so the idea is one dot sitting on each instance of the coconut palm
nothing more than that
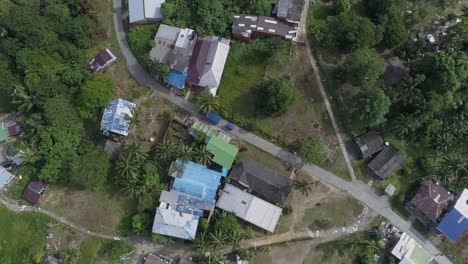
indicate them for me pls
(234, 239)
(185, 153)
(166, 151)
(29, 152)
(23, 97)
(203, 156)
(135, 151)
(207, 102)
(202, 244)
(217, 239)
(302, 186)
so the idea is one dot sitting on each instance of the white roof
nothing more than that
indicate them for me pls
(5, 177)
(462, 203)
(250, 208)
(214, 67)
(404, 245)
(142, 9)
(169, 222)
(410, 252)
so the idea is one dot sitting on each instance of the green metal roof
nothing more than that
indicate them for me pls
(207, 129)
(224, 153)
(3, 134)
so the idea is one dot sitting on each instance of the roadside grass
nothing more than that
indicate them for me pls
(331, 212)
(99, 211)
(456, 252)
(94, 250)
(22, 236)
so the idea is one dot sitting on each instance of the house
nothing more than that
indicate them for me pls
(431, 201)
(249, 208)
(5, 177)
(408, 251)
(261, 181)
(207, 65)
(185, 203)
(386, 162)
(35, 191)
(196, 180)
(102, 60)
(144, 11)
(395, 72)
(224, 153)
(289, 10)
(116, 117)
(245, 27)
(153, 259)
(9, 126)
(169, 222)
(456, 221)
(174, 46)
(369, 144)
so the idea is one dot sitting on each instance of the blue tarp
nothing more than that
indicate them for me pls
(177, 79)
(215, 118)
(453, 225)
(198, 181)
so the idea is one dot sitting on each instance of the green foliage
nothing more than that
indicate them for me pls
(166, 151)
(212, 18)
(394, 32)
(89, 168)
(311, 151)
(303, 186)
(157, 69)
(376, 8)
(5, 6)
(363, 67)
(287, 210)
(160, 239)
(227, 225)
(370, 110)
(203, 223)
(275, 96)
(94, 95)
(141, 223)
(342, 6)
(243, 253)
(140, 39)
(207, 102)
(113, 250)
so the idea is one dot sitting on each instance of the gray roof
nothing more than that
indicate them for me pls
(262, 181)
(369, 143)
(144, 9)
(289, 10)
(248, 207)
(174, 46)
(386, 162)
(249, 25)
(185, 203)
(209, 59)
(169, 222)
(116, 117)
(5, 177)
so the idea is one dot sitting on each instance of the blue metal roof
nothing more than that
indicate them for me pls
(453, 225)
(198, 181)
(213, 117)
(177, 79)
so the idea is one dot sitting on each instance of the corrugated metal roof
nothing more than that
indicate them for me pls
(169, 222)
(153, 8)
(5, 177)
(453, 225)
(224, 153)
(3, 133)
(116, 117)
(250, 208)
(208, 130)
(177, 78)
(143, 9)
(199, 181)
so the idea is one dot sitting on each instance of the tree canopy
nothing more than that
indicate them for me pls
(311, 151)
(94, 95)
(363, 67)
(275, 96)
(370, 110)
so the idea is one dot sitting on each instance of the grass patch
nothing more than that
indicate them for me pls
(265, 158)
(95, 249)
(22, 236)
(331, 212)
(420, 227)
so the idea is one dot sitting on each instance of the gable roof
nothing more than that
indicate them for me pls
(35, 191)
(115, 117)
(173, 46)
(289, 10)
(250, 208)
(251, 25)
(207, 65)
(262, 181)
(102, 59)
(185, 203)
(224, 153)
(197, 180)
(5, 177)
(369, 143)
(144, 9)
(432, 200)
(386, 162)
(169, 222)
(456, 221)
(208, 130)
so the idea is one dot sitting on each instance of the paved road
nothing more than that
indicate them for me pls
(356, 189)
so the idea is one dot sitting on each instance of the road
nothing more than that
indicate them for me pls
(356, 189)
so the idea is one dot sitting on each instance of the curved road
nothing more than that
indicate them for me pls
(356, 189)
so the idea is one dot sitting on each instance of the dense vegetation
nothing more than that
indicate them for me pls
(428, 109)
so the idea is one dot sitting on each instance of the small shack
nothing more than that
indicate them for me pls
(386, 162)
(116, 117)
(35, 191)
(102, 60)
(369, 144)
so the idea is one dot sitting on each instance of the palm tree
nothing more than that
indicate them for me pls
(127, 168)
(302, 186)
(166, 151)
(202, 244)
(203, 156)
(235, 238)
(29, 152)
(23, 97)
(217, 239)
(186, 153)
(207, 102)
(135, 151)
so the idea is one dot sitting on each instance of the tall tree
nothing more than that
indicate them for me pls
(363, 67)
(203, 156)
(207, 102)
(370, 110)
(166, 151)
(275, 96)
(94, 95)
